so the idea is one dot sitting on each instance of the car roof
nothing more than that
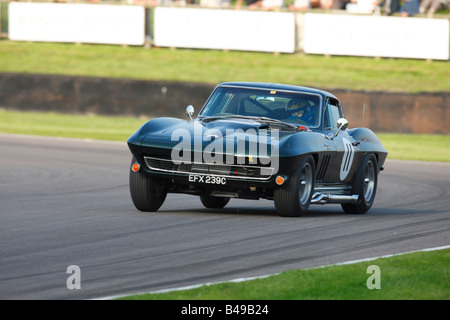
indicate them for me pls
(276, 86)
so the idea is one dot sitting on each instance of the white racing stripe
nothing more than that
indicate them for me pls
(347, 159)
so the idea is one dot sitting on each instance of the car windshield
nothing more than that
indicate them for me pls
(299, 108)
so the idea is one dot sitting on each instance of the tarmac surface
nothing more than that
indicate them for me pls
(66, 202)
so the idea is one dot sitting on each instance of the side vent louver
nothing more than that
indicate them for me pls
(323, 167)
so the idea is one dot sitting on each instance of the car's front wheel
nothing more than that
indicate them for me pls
(294, 198)
(365, 185)
(146, 193)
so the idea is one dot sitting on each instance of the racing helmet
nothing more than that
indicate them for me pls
(299, 109)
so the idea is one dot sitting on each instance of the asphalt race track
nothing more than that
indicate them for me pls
(66, 202)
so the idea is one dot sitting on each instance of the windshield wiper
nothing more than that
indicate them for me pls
(264, 119)
(224, 117)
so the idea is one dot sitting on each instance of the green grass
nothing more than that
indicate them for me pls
(421, 147)
(414, 276)
(69, 126)
(212, 66)
(399, 146)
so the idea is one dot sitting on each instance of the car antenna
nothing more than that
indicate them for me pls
(364, 112)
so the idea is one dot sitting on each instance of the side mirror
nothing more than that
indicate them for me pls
(190, 111)
(342, 125)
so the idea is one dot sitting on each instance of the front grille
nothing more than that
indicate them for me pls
(230, 171)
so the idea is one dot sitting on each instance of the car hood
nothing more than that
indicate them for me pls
(221, 133)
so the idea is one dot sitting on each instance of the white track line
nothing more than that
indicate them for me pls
(266, 276)
(51, 138)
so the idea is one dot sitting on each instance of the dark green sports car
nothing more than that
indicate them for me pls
(250, 140)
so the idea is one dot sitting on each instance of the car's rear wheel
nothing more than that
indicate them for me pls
(293, 199)
(214, 202)
(365, 185)
(146, 193)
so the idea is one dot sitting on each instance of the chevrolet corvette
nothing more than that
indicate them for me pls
(285, 143)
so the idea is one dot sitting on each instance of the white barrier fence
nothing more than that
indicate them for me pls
(84, 23)
(286, 32)
(377, 36)
(224, 29)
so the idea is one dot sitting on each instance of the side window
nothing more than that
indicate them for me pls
(332, 114)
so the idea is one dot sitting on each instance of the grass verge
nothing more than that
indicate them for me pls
(420, 147)
(69, 126)
(399, 146)
(414, 276)
(214, 66)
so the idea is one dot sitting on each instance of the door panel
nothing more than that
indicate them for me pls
(345, 158)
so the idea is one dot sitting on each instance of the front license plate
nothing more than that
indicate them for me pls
(200, 178)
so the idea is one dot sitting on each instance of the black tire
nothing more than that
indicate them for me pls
(365, 185)
(294, 198)
(214, 202)
(146, 194)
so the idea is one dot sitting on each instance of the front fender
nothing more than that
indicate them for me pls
(152, 126)
(369, 143)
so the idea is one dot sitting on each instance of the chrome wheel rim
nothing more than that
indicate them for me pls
(369, 181)
(305, 184)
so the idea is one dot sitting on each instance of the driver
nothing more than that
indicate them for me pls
(300, 109)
